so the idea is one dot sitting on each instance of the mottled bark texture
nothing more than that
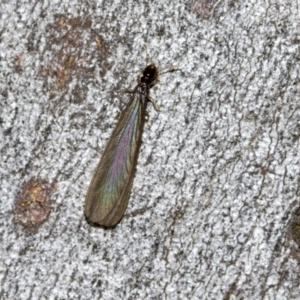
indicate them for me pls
(214, 207)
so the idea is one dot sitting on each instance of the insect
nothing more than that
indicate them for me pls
(109, 190)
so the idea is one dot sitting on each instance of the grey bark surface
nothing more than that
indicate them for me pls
(215, 198)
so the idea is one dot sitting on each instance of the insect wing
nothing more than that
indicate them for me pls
(109, 190)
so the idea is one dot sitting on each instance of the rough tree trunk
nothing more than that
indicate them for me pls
(214, 207)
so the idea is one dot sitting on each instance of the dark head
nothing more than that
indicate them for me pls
(150, 75)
